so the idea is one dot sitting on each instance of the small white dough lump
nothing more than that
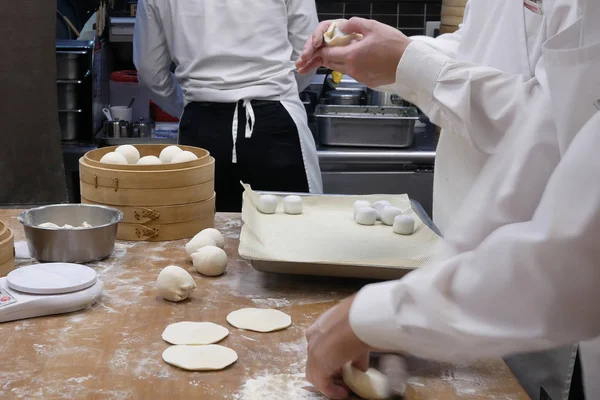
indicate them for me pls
(210, 261)
(167, 154)
(131, 153)
(388, 214)
(214, 235)
(183, 156)
(114, 158)
(370, 385)
(366, 216)
(48, 225)
(267, 204)
(149, 160)
(358, 204)
(174, 283)
(404, 225)
(292, 205)
(379, 206)
(198, 242)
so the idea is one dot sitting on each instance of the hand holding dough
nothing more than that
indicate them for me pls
(194, 333)
(370, 385)
(259, 319)
(174, 283)
(335, 37)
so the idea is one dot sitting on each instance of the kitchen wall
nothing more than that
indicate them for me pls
(408, 16)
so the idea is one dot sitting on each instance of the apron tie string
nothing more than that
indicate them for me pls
(249, 129)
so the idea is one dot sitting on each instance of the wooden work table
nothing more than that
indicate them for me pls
(113, 349)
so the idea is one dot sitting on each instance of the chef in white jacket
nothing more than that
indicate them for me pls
(235, 76)
(521, 266)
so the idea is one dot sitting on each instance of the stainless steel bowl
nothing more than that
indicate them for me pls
(71, 245)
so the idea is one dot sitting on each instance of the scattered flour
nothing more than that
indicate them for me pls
(271, 303)
(278, 387)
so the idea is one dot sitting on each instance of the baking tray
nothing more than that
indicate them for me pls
(366, 126)
(332, 269)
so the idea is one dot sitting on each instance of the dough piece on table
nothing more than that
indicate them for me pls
(358, 204)
(194, 333)
(114, 158)
(167, 154)
(259, 319)
(149, 160)
(210, 260)
(379, 206)
(184, 156)
(366, 216)
(198, 242)
(175, 283)
(267, 204)
(214, 235)
(48, 225)
(388, 214)
(211, 357)
(404, 225)
(335, 37)
(292, 205)
(131, 153)
(370, 385)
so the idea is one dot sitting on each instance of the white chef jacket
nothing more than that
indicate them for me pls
(476, 106)
(226, 51)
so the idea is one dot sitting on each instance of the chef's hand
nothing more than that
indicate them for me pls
(372, 60)
(331, 344)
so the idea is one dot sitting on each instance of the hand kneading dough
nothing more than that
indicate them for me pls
(335, 37)
(211, 357)
(404, 225)
(370, 385)
(184, 156)
(114, 158)
(267, 204)
(388, 214)
(167, 154)
(174, 283)
(194, 333)
(366, 216)
(210, 261)
(149, 160)
(131, 153)
(259, 319)
(198, 242)
(358, 204)
(292, 205)
(214, 235)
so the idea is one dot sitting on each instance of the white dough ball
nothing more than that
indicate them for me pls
(114, 158)
(366, 216)
(167, 154)
(404, 225)
(358, 204)
(184, 156)
(198, 242)
(210, 261)
(267, 204)
(370, 385)
(388, 214)
(175, 283)
(214, 235)
(292, 205)
(379, 206)
(149, 160)
(131, 153)
(48, 225)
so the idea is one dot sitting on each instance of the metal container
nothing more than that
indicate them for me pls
(384, 99)
(117, 129)
(71, 245)
(69, 121)
(143, 128)
(71, 64)
(366, 126)
(345, 97)
(68, 94)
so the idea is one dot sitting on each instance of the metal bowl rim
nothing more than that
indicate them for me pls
(117, 212)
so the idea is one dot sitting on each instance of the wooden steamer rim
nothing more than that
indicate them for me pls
(4, 232)
(6, 267)
(162, 232)
(7, 249)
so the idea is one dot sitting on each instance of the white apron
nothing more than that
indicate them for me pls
(573, 67)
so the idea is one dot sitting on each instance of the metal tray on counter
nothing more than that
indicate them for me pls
(366, 126)
(165, 133)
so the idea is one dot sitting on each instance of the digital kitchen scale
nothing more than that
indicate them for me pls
(47, 289)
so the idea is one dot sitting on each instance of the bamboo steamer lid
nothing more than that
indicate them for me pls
(154, 232)
(452, 15)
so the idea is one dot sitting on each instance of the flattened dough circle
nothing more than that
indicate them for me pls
(200, 358)
(259, 319)
(187, 332)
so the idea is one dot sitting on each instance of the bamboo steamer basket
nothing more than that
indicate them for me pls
(7, 250)
(452, 15)
(159, 202)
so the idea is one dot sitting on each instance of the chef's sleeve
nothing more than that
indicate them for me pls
(302, 21)
(528, 286)
(153, 61)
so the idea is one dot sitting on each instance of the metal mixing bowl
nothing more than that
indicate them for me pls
(71, 245)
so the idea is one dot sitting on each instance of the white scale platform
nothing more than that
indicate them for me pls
(47, 289)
